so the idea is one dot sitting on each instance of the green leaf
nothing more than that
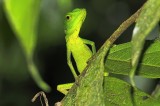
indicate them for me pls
(119, 60)
(147, 20)
(23, 17)
(88, 88)
(117, 93)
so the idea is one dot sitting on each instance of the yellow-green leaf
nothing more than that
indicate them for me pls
(147, 20)
(23, 18)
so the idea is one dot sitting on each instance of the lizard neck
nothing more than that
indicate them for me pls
(74, 35)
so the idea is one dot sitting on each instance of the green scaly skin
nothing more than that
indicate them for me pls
(76, 45)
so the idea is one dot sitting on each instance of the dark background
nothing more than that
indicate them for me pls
(16, 85)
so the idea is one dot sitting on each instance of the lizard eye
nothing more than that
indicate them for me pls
(68, 17)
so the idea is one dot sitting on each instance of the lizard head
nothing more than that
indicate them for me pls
(74, 20)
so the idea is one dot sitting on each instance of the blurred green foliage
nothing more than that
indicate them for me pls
(16, 86)
(23, 20)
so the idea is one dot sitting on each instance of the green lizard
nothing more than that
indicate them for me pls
(75, 45)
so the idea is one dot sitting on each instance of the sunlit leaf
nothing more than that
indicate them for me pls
(149, 17)
(119, 60)
(88, 88)
(23, 17)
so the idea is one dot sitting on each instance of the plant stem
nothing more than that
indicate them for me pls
(119, 31)
(36, 76)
